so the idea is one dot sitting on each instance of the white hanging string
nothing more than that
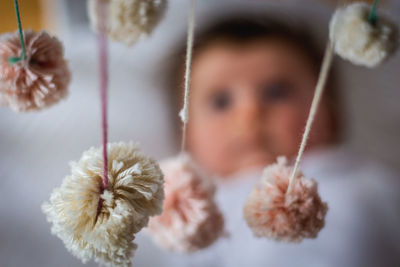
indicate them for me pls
(184, 113)
(323, 76)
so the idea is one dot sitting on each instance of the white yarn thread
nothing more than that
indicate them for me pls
(323, 76)
(184, 113)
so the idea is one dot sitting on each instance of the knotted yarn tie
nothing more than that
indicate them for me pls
(373, 15)
(13, 60)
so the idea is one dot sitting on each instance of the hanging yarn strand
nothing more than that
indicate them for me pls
(184, 113)
(103, 92)
(323, 76)
(373, 16)
(21, 35)
(103, 58)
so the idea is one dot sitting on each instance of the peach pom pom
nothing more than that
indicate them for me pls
(272, 213)
(191, 219)
(105, 232)
(128, 20)
(37, 82)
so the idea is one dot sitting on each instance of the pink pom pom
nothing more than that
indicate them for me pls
(37, 82)
(190, 219)
(272, 213)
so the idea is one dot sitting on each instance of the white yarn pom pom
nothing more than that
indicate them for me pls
(358, 40)
(272, 213)
(128, 20)
(191, 219)
(135, 192)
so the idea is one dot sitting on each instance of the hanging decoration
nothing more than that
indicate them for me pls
(129, 20)
(33, 72)
(361, 36)
(100, 223)
(191, 219)
(109, 195)
(292, 209)
(273, 213)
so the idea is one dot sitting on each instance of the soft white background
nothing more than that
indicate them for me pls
(35, 148)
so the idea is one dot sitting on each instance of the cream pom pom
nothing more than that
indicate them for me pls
(271, 213)
(191, 219)
(135, 192)
(37, 82)
(128, 20)
(360, 41)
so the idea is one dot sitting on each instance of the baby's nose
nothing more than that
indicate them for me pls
(250, 112)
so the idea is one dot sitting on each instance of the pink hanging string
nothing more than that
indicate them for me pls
(103, 63)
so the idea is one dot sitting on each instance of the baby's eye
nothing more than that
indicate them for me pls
(221, 101)
(276, 91)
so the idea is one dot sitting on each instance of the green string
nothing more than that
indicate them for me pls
(13, 60)
(373, 16)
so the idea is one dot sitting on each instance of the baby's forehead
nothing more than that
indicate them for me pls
(272, 48)
(259, 57)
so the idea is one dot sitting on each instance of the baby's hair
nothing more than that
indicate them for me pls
(244, 29)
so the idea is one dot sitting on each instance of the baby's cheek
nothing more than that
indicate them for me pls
(285, 127)
(322, 129)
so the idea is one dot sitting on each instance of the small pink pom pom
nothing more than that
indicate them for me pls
(190, 219)
(37, 82)
(272, 213)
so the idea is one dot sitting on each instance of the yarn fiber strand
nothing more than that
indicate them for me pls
(323, 76)
(184, 113)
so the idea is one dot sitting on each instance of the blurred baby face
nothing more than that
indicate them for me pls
(249, 105)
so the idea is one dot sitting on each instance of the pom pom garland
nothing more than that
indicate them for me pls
(272, 212)
(360, 37)
(105, 232)
(38, 81)
(128, 20)
(191, 219)
(285, 205)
